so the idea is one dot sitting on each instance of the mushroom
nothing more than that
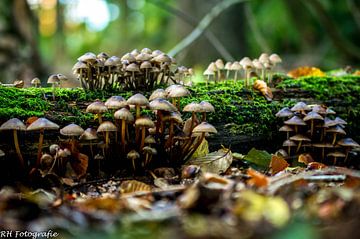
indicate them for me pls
(284, 113)
(206, 107)
(158, 94)
(236, 67)
(149, 152)
(115, 102)
(161, 106)
(286, 129)
(89, 135)
(174, 118)
(133, 155)
(312, 116)
(42, 124)
(15, 124)
(149, 140)
(247, 66)
(296, 121)
(97, 108)
(192, 107)
(107, 127)
(143, 123)
(138, 100)
(274, 60)
(72, 131)
(208, 73)
(228, 69)
(336, 155)
(126, 117)
(79, 69)
(335, 130)
(54, 81)
(146, 65)
(133, 67)
(220, 66)
(203, 129)
(289, 143)
(300, 107)
(175, 93)
(348, 143)
(36, 82)
(323, 146)
(300, 138)
(264, 59)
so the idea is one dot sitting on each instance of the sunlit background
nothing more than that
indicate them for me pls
(321, 33)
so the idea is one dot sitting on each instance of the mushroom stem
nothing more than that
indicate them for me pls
(171, 133)
(289, 150)
(203, 119)
(72, 143)
(133, 163)
(91, 150)
(178, 103)
(99, 118)
(41, 139)
(173, 101)
(123, 134)
(334, 139)
(142, 137)
(53, 91)
(296, 129)
(299, 146)
(287, 135)
(312, 128)
(192, 121)
(192, 150)
(17, 148)
(137, 107)
(107, 139)
(235, 76)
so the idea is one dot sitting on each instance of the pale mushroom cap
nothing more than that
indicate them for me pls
(138, 99)
(144, 122)
(53, 79)
(206, 107)
(145, 65)
(299, 137)
(42, 123)
(247, 64)
(312, 116)
(13, 124)
(179, 91)
(212, 67)
(257, 64)
(329, 122)
(72, 130)
(124, 114)
(87, 57)
(228, 65)
(319, 109)
(300, 106)
(176, 117)
(336, 154)
(158, 94)
(133, 155)
(115, 102)
(162, 58)
(275, 58)
(96, 107)
(162, 104)
(244, 59)
(35, 81)
(146, 50)
(192, 107)
(156, 53)
(128, 57)
(62, 77)
(236, 66)
(288, 143)
(143, 57)
(284, 112)
(336, 129)
(102, 56)
(264, 58)
(286, 128)
(89, 134)
(149, 150)
(208, 72)
(149, 140)
(295, 120)
(348, 142)
(106, 126)
(112, 61)
(219, 64)
(132, 67)
(79, 65)
(339, 120)
(135, 52)
(204, 127)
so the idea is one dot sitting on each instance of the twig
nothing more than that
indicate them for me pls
(204, 23)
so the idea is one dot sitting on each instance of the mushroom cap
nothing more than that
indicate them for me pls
(204, 127)
(192, 107)
(145, 65)
(102, 56)
(106, 126)
(2, 153)
(42, 123)
(284, 113)
(53, 79)
(124, 114)
(149, 150)
(112, 61)
(162, 58)
(228, 65)
(212, 67)
(35, 81)
(336, 129)
(247, 63)
(79, 65)
(339, 120)
(133, 67)
(244, 59)
(144, 122)
(128, 57)
(289, 143)
(264, 58)
(286, 128)
(156, 53)
(208, 72)
(89, 134)
(96, 107)
(62, 77)
(178, 91)
(146, 50)
(143, 57)
(219, 64)
(138, 99)
(295, 120)
(299, 137)
(206, 106)
(275, 58)
(319, 109)
(235, 66)
(162, 104)
(323, 145)
(135, 52)
(88, 57)
(13, 124)
(115, 102)
(72, 130)
(133, 155)
(336, 154)
(149, 140)
(348, 142)
(257, 64)
(174, 116)
(329, 122)
(158, 94)
(300, 106)
(330, 111)
(312, 116)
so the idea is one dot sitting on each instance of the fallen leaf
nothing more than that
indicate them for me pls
(305, 71)
(316, 165)
(130, 186)
(305, 159)
(278, 164)
(257, 179)
(80, 164)
(259, 157)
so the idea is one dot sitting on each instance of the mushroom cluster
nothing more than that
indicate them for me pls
(144, 137)
(315, 129)
(263, 66)
(137, 70)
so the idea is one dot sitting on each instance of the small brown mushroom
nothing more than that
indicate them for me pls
(72, 131)
(107, 127)
(97, 108)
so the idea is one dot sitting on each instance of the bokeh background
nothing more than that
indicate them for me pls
(40, 37)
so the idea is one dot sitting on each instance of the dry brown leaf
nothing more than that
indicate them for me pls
(305, 71)
(80, 164)
(257, 179)
(277, 164)
(30, 120)
(305, 159)
(316, 165)
(130, 186)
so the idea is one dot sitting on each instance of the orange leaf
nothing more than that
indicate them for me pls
(278, 164)
(305, 159)
(80, 164)
(257, 179)
(305, 71)
(316, 165)
(30, 120)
